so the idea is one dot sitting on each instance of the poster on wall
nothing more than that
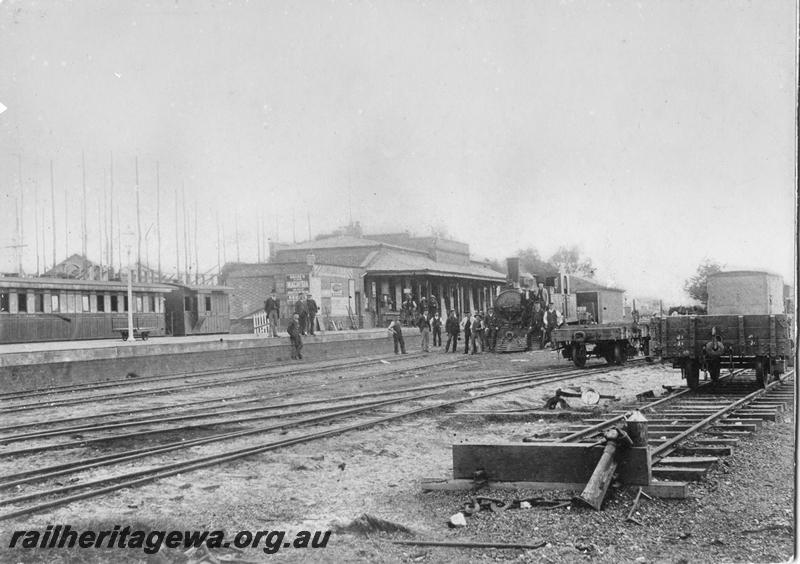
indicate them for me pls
(296, 284)
(337, 289)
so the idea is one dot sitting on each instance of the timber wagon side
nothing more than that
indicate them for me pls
(614, 342)
(710, 342)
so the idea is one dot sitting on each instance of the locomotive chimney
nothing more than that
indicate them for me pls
(512, 264)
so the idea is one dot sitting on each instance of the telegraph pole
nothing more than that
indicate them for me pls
(53, 209)
(158, 218)
(84, 217)
(138, 228)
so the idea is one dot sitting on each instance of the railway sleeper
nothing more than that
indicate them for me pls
(679, 473)
(689, 460)
(718, 451)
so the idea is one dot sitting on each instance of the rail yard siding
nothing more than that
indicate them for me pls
(40, 369)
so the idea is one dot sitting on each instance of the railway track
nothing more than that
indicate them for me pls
(343, 416)
(219, 383)
(688, 432)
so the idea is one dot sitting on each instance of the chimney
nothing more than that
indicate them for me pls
(512, 264)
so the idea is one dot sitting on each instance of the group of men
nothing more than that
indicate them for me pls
(303, 320)
(479, 331)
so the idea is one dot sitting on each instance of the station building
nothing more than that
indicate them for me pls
(361, 282)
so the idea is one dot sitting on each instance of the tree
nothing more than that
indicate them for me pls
(697, 285)
(571, 262)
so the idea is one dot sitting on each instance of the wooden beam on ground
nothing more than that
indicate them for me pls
(667, 490)
(679, 473)
(708, 450)
(471, 485)
(689, 460)
(546, 462)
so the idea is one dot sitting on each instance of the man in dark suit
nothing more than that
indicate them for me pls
(302, 312)
(535, 328)
(273, 308)
(294, 337)
(312, 308)
(452, 329)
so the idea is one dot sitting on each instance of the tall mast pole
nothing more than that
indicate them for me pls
(138, 227)
(236, 226)
(177, 240)
(111, 214)
(36, 221)
(196, 248)
(53, 209)
(219, 249)
(158, 217)
(258, 236)
(21, 241)
(185, 233)
(84, 217)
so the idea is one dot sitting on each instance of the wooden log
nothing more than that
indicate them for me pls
(689, 460)
(595, 490)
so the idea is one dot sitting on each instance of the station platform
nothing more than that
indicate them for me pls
(28, 366)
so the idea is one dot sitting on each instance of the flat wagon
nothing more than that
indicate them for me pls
(614, 342)
(710, 342)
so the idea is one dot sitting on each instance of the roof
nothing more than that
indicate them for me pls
(50, 283)
(583, 285)
(743, 273)
(332, 242)
(390, 261)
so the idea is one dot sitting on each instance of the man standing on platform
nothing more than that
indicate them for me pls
(466, 328)
(551, 321)
(395, 328)
(452, 329)
(542, 296)
(312, 308)
(302, 312)
(492, 326)
(273, 308)
(436, 329)
(424, 324)
(535, 328)
(294, 337)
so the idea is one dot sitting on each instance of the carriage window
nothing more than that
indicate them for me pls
(101, 302)
(114, 303)
(152, 301)
(22, 303)
(138, 303)
(208, 303)
(54, 303)
(84, 303)
(187, 303)
(125, 303)
(38, 303)
(4, 302)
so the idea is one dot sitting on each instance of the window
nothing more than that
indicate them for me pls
(138, 303)
(152, 301)
(22, 302)
(114, 303)
(101, 303)
(4, 302)
(54, 303)
(38, 302)
(187, 303)
(208, 303)
(84, 302)
(125, 303)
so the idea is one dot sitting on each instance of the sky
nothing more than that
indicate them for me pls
(653, 135)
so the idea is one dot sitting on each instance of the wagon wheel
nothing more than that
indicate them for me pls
(579, 355)
(618, 353)
(762, 368)
(691, 371)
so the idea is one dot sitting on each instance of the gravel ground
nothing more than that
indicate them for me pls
(742, 512)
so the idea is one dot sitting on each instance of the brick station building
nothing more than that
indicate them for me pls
(362, 281)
